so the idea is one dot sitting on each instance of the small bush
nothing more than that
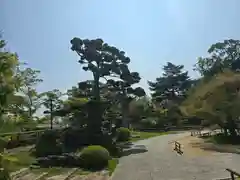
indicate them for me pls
(64, 160)
(123, 134)
(47, 144)
(74, 138)
(112, 164)
(149, 122)
(94, 157)
(4, 175)
(109, 142)
(13, 141)
(3, 142)
(222, 139)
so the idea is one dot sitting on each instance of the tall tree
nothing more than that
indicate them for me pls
(8, 81)
(30, 79)
(104, 61)
(8, 84)
(222, 55)
(124, 93)
(52, 102)
(217, 101)
(85, 89)
(172, 86)
(140, 108)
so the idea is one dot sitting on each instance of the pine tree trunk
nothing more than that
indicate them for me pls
(95, 114)
(96, 89)
(125, 106)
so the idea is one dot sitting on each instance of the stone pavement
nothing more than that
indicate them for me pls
(162, 163)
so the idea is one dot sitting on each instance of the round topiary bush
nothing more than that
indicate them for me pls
(94, 157)
(123, 134)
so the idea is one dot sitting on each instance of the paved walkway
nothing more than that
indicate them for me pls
(162, 163)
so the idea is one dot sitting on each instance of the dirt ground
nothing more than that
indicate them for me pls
(194, 146)
(191, 146)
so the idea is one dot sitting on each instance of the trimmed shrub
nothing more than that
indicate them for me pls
(64, 160)
(123, 134)
(112, 164)
(108, 141)
(94, 157)
(3, 142)
(13, 141)
(74, 138)
(222, 139)
(47, 144)
(4, 174)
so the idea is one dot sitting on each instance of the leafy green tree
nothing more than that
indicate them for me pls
(172, 86)
(85, 89)
(171, 89)
(8, 84)
(74, 107)
(216, 101)
(139, 108)
(222, 55)
(52, 102)
(8, 81)
(106, 62)
(101, 59)
(124, 93)
(29, 79)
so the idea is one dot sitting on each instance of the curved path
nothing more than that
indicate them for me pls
(162, 163)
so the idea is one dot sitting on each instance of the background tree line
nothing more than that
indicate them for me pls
(112, 97)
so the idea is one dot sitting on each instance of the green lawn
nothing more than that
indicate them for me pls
(145, 135)
(21, 159)
(112, 164)
(222, 139)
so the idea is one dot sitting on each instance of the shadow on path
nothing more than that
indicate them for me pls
(130, 148)
(156, 160)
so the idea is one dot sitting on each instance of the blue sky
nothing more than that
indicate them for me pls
(151, 32)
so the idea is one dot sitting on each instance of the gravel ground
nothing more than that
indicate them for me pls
(162, 163)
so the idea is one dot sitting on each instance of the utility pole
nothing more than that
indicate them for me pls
(50, 112)
(51, 115)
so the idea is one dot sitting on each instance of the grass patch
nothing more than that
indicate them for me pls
(112, 164)
(222, 139)
(136, 136)
(23, 160)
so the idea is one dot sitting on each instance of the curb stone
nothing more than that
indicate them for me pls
(70, 174)
(19, 173)
(41, 176)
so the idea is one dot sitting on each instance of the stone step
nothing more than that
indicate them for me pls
(41, 176)
(28, 176)
(79, 177)
(20, 173)
(103, 175)
(72, 174)
(94, 176)
(66, 176)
